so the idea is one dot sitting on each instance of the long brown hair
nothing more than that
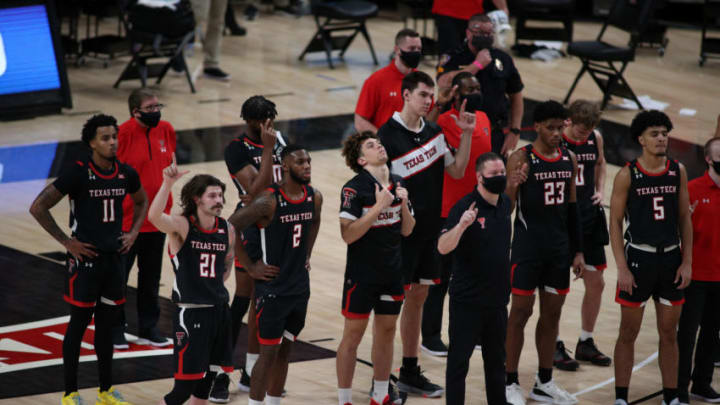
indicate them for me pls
(196, 187)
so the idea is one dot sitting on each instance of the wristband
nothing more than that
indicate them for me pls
(515, 131)
(478, 64)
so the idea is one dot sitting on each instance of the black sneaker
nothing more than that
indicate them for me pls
(251, 12)
(219, 392)
(244, 383)
(587, 351)
(562, 360)
(683, 397)
(705, 393)
(153, 338)
(216, 74)
(414, 382)
(393, 396)
(119, 341)
(434, 347)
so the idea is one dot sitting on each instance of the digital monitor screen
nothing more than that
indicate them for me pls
(27, 55)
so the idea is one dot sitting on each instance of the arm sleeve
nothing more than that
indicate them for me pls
(351, 204)
(236, 157)
(133, 180)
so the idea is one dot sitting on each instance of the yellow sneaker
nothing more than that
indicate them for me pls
(110, 397)
(72, 398)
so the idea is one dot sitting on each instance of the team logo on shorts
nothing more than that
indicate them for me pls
(179, 336)
(348, 195)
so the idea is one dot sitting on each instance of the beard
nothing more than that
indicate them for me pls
(297, 179)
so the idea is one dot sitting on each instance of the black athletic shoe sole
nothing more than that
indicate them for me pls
(402, 387)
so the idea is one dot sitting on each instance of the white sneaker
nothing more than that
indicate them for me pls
(514, 394)
(620, 402)
(673, 402)
(551, 393)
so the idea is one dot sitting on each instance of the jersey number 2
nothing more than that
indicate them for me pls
(108, 210)
(658, 209)
(297, 234)
(207, 265)
(554, 193)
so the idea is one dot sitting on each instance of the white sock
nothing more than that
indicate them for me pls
(380, 390)
(254, 402)
(270, 400)
(585, 335)
(344, 396)
(250, 359)
(558, 339)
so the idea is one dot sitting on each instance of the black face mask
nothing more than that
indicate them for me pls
(480, 42)
(150, 119)
(716, 166)
(411, 59)
(474, 102)
(495, 184)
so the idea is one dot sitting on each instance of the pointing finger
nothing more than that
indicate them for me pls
(174, 160)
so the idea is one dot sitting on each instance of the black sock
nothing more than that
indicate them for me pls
(544, 374)
(238, 309)
(511, 378)
(409, 363)
(669, 394)
(105, 318)
(621, 393)
(79, 320)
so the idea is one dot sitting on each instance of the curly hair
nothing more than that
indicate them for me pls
(585, 113)
(196, 187)
(647, 119)
(258, 108)
(548, 110)
(351, 149)
(96, 121)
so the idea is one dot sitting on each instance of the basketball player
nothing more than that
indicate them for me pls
(547, 239)
(418, 153)
(374, 216)
(581, 138)
(287, 219)
(253, 160)
(200, 244)
(651, 193)
(95, 285)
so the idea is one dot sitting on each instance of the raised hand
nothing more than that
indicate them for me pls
(383, 197)
(483, 57)
(268, 135)
(401, 193)
(519, 175)
(171, 174)
(468, 217)
(465, 120)
(446, 95)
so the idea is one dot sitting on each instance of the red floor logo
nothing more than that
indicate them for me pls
(39, 344)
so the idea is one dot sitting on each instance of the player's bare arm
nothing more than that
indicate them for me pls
(444, 96)
(362, 124)
(175, 226)
(353, 229)
(40, 210)
(408, 219)
(315, 226)
(684, 272)
(600, 171)
(449, 240)
(254, 181)
(140, 207)
(260, 212)
(466, 122)
(517, 169)
(230, 256)
(578, 263)
(618, 204)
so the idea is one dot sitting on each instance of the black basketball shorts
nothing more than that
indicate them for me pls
(551, 274)
(654, 275)
(100, 279)
(594, 253)
(280, 317)
(420, 260)
(360, 297)
(203, 341)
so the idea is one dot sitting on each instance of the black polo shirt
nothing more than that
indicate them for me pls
(498, 79)
(481, 261)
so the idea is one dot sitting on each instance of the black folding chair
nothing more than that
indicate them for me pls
(336, 16)
(561, 11)
(601, 59)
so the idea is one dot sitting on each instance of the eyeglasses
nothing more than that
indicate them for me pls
(477, 30)
(152, 108)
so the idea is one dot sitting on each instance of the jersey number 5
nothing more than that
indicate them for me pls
(554, 193)
(297, 234)
(658, 209)
(207, 265)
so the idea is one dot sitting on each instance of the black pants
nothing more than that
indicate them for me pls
(497, 138)
(451, 33)
(435, 302)
(470, 324)
(148, 249)
(702, 300)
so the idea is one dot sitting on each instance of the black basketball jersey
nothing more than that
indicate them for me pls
(586, 154)
(96, 197)
(243, 151)
(284, 243)
(377, 253)
(652, 205)
(199, 265)
(541, 221)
